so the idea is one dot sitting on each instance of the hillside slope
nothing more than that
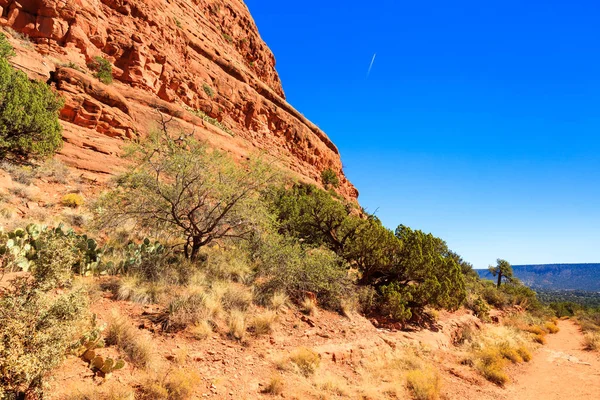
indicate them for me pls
(175, 56)
(556, 276)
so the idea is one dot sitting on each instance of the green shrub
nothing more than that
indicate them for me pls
(72, 200)
(55, 260)
(103, 70)
(286, 266)
(6, 50)
(29, 123)
(36, 331)
(329, 177)
(409, 269)
(480, 308)
(208, 90)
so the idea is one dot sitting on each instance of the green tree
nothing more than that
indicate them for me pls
(409, 269)
(28, 112)
(313, 215)
(329, 177)
(180, 188)
(425, 273)
(503, 270)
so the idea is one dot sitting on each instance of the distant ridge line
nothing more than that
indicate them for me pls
(563, 276)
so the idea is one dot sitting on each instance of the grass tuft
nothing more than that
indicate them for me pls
(524, 353)
(306, 360)
(262, 324)
(128, 339)
(539, 338)
(237, 324)
(591, 341)
(308, 306)
(201, 330)
(275, 386)
(424, 384)
(491, 365)
(72, 200)
(551, 327)
(278, 301)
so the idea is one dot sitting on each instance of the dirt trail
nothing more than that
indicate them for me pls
(559, 370)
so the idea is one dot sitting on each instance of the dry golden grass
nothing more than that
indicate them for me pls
(137, 347)
(332, 384)
(424, 384)
(176, 385)
(275, 386)
(201, 330)
(181, 384)
(551, 327)
(510, 353)
(540, 338)
(278, 301)
(109, 391)
(491, 365)
(308, 306)
(237, 324)
(305, 360)
(591, 341)
(262, 324)
(524, 353)
(535, 329)
(193, 307)
(131, 288)
(233, 295)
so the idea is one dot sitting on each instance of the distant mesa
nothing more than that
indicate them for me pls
(556, 276)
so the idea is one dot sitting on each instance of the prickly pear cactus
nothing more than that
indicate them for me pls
(106, 367)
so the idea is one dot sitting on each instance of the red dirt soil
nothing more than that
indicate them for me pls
(559, 370)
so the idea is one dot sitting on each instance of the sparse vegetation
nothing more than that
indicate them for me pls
(237, 324)
(137, 348)
(591, 341)
(275, 386)
(330, 178)
(103, 70)
(72, 200)
(424, 384)
(213, 121)
(305, 360)
(192, 309)
(208, 90)
(262, 324)
(176, 385)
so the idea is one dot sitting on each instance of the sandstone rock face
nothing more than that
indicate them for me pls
(196, 60)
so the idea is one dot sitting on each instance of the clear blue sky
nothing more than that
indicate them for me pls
(479, 122)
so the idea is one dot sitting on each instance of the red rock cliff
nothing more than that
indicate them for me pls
(172, 55)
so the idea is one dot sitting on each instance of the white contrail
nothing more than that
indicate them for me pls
(371, 66)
